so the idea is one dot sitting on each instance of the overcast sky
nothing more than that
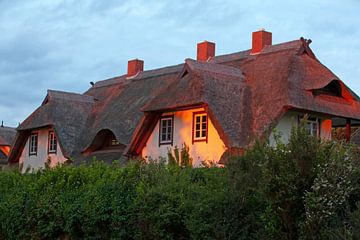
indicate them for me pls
(64, 45)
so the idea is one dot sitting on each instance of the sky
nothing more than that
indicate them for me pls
(66, 44)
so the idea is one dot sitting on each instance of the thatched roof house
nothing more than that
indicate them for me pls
(236, 98)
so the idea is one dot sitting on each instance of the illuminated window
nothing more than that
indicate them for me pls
(114, 142)
(52, 142)
(166, 130)
(33, 144)
(200, 127)
(111, 140)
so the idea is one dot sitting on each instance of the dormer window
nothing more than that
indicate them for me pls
(111, 141)
(332, 89)
(200, 127)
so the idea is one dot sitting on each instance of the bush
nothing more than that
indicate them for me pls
(301, 190)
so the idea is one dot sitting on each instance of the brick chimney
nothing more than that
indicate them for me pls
(135, 66)
(205, 50)
(260, 39)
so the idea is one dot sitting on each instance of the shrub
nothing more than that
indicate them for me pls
(301, 190)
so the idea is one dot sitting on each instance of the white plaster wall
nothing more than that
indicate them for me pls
(284, 126)
(199, 151)
(290, 119)
(35, 162)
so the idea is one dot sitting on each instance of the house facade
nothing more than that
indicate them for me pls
(215, 106)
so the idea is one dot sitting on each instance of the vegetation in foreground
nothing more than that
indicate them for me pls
(301, 190)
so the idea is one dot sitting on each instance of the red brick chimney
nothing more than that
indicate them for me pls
(205, 50)
(260, 39)
(135, 66)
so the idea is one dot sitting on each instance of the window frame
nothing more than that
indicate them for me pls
(201, 139)
(313, 120)
(171, 141)
(30, 143)
(50, 151)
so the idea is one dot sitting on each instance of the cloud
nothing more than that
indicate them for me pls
(65, 44)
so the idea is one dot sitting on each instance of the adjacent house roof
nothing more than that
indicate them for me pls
(7, 136)
(245, 95)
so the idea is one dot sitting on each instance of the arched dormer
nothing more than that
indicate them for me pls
(105, 139)
(336, 89)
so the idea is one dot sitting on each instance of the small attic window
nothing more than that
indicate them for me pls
(332, 89)
(104, 140)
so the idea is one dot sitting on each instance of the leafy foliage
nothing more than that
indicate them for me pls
(305, 189)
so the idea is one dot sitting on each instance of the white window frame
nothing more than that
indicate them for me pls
(33, 144)
(313, 126)
(52, 142)
(199, 128)
(167, 130)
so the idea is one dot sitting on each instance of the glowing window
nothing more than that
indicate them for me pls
(52, 142)
(33, 144)
(166, 130)
(200, 127)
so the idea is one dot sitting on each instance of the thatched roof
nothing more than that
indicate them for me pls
(7, 135)
(244, 94)
(66, 113)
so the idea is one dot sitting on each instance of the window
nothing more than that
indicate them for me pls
(166, 130)
(52, 142)
(200, 122)
(114, 142)
(33, 144)
(312, 126)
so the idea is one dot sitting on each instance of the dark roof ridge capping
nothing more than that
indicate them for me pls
(210, 67)
(68, 96)
(140, 76)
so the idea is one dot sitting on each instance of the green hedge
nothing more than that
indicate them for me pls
(301, 190)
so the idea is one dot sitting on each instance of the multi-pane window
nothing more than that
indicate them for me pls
(33, 144)
(52, 142)
(312, 126)
(166, 130)
(200, 127)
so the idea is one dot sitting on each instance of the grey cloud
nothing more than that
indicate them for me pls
(65, 44)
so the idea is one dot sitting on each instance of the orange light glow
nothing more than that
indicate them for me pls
(325, 130)
(5, 150)
(210, 151)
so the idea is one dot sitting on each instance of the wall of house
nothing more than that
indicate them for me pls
(290, 119)
(199, 151)
(35, 162)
